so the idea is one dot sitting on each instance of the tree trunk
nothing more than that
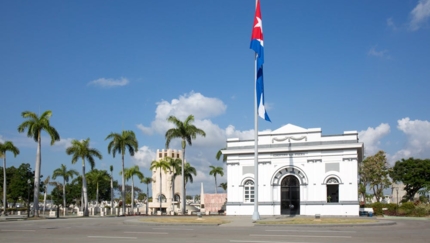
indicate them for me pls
(37, 176)
(44, 200)
(147, 198)
(84, 188)
(183, 178)
(132, 195)
(216, 191)
(4, 186)
(159, 196)
(64, 197)
(123, 185)
(111, 193)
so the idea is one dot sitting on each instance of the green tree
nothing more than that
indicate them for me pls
(216, 170)
(66, 175)
(162, 165)
(129, 173)
(82, 150)
(175, 168)
(186, 131)
(413, 173)
(120, 143)
(35, 125)
(219, 154)
(189, 171)
(18, 186)
(96, 177)
(147, 181)
(223, 186)
(375, 172)
(6, 147)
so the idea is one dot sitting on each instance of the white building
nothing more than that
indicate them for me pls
(164, 189)
(300, 172)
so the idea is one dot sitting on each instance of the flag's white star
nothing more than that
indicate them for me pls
(259, 24)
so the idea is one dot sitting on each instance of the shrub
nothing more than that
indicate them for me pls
(419, 212)
(377, 208)
(391, 209)
(407, 208)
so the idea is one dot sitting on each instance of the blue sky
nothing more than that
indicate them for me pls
(105, 66)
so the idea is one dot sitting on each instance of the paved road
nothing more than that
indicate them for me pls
(109, 230)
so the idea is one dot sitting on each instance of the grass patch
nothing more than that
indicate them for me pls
(314, 221)
(185, 220)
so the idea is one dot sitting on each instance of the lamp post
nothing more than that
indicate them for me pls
(28, 198)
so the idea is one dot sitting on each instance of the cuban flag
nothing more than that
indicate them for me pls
(257, 44)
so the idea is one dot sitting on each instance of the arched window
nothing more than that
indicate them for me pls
(332, 190)
(248, 188)
(162, 198)
(177, 198)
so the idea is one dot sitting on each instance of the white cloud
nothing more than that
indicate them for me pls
(144, 156)
(193, 103)
(418, 139)
(1, 139)
(419, 14)
(107, 83)
(381, 54)
(372, 136)
(390, 24)
(63, 143)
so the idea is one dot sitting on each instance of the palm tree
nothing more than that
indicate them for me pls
(97, 176)
(82, 150)
(35, 125)
(147, 181)
(130, 173)
(45, 192)
(216, 171)
(187, 132)
(175, 165)
(4, 147)
(120, 144)
(223, 186)
(164, 165)
(219, 154)
(189, 171)
(111, 187)
(66, 174)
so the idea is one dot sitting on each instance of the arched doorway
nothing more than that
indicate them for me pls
(290, 195)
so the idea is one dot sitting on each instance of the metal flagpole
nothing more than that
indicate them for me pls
(256, 215)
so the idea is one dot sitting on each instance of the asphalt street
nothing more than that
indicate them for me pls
(129, 229)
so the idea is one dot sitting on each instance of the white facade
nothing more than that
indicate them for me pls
(300, 172)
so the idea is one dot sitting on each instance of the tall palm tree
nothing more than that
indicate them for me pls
(163, 165)
(45, 191)
(175, 167)
(189, 171)
(187, 132)
(35, 125)
(130, 173)
(120, 143)
(66, 174)
(82, 150)
(111, 187)
(95, 177)
(216, 171)
(223, 185)
(4, 147)
(147, 181)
